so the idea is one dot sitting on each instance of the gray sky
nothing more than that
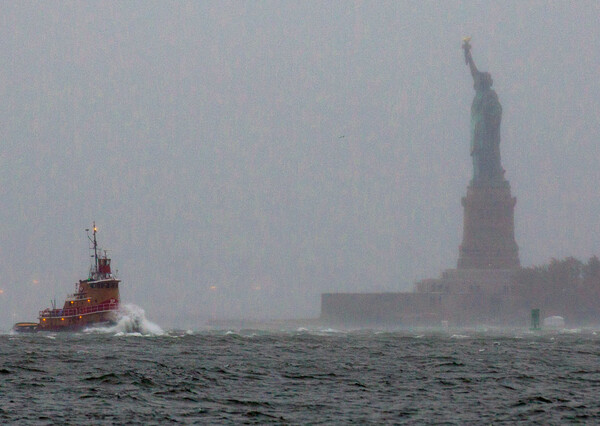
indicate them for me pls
(276, 150)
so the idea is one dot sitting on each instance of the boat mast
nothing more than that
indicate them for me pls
(94, 267)
(95, 248)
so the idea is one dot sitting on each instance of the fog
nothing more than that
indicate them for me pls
(240, 158)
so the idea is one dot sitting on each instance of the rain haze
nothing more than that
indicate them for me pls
(240, 158)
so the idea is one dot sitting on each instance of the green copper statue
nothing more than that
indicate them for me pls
(486, 114)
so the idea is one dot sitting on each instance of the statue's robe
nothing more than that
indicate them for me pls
(486, 115)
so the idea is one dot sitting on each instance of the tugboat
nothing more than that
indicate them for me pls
(95, 301)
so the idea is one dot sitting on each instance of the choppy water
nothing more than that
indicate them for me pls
(123, 376)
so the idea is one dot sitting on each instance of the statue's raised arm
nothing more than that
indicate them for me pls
(468, 57)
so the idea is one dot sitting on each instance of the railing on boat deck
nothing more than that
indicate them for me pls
(71, 312)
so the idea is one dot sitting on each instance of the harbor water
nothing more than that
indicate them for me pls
(139, 374)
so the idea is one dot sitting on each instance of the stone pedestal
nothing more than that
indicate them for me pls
(488, 229)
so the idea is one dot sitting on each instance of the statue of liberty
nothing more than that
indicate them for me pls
(486, 114)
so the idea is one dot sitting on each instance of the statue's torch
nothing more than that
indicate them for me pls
(466, 47)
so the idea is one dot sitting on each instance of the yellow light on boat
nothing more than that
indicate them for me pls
(43, 319)
(89, 300)
(80, 317)
(71, 302)
(62, 319)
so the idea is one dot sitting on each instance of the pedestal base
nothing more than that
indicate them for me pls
(488, 229)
